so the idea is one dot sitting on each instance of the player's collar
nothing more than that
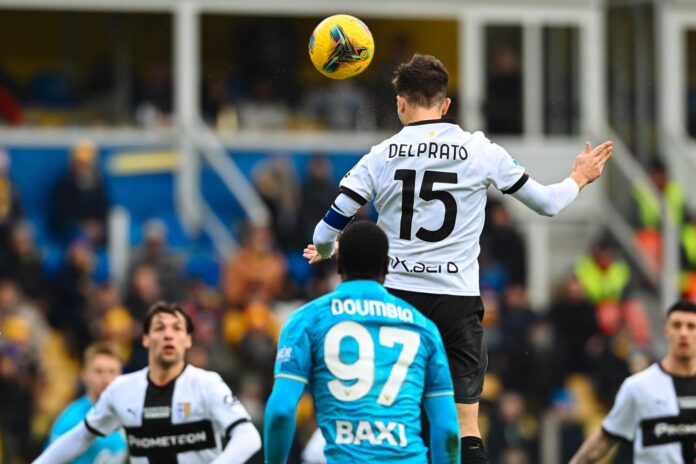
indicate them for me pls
(362, 283)
(432, 121)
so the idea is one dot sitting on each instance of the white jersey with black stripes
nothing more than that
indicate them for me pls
(183, 422)
(656, 411)
(428, 183)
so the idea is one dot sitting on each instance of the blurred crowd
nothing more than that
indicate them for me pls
(552, 373)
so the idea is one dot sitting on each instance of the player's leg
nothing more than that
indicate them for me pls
(459, 320)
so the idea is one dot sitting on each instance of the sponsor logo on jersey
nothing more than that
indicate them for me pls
(367, 433)
(150, 440)
(416, 267)
(284, 354)
(663, 430)
(157, 412)
(370, 308)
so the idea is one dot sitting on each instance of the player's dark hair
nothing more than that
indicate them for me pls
(421, 81)
(363, 252)
(168, 308)
(97, 349)
(682, 305)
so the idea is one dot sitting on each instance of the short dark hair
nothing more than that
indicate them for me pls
(682, 305)
(99, 348)
(363, 251)
(168, 308)
(422, 81)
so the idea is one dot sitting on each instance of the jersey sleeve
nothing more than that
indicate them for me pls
(438, 380)
(294, 358)
(102, 419)
(359, 182)
(225, 409)
(503, 171)
(623, 419)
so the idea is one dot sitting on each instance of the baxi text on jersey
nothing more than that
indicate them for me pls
(370, 308)
(371, 433)
(429, 150)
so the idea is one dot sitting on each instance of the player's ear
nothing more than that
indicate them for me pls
(400, 104)
(146, 341)
(189, 341)
(445, 106)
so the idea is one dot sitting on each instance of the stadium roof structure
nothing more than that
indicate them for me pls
(391, 8)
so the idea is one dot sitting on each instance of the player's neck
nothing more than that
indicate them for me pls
(161, 376)
(678, 367)
(417, 113)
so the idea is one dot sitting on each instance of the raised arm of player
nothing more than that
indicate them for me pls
(279, 419)
(595, 448)
(68, 447)
(549, 200)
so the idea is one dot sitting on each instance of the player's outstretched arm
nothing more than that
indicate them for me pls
(68, 446)
(279, 420)
(594, 448)
(444, 429)
(550, 200)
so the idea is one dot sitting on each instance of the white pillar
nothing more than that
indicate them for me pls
(186, 112)
(592, 77)
(538, 263)
(472, 79)
(533, 79)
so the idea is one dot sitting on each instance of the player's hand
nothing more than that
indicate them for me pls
(312, 255)
(590, 163)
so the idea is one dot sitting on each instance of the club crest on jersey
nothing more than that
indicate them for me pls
(183, 410)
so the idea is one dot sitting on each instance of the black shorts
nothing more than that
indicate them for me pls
(459, 320)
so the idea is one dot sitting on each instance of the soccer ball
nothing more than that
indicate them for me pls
(341, 46)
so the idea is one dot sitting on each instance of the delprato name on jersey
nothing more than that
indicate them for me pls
(418, 180)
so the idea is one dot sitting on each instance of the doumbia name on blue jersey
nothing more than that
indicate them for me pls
(370, 308)
(430, 149)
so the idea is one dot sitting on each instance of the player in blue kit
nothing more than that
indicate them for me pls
(370, 360)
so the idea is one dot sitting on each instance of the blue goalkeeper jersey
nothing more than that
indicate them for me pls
(369, 359)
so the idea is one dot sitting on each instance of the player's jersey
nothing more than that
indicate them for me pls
(369, 359)
(111, 449)
(428, 183)
(657, 412)
(182, 422)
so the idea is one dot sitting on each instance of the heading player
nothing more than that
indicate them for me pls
(171, 411)
(428, 183)
(370, 360)
(656, 408)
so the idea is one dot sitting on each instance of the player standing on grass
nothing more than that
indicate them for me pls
(656, 408)
(428, 183)
(172, 412)
(370, 360)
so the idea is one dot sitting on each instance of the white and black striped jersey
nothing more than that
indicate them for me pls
(182, 422)
(428, 183)
(657, 412)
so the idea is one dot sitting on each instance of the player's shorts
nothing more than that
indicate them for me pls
(459, 320)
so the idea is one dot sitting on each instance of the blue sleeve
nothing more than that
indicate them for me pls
(438, 379)
(294, 358)
(444, 429)
(279, 420)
